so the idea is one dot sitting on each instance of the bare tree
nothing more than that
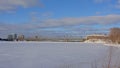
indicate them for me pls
(115, 35)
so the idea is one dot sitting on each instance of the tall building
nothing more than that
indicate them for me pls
(15, 36)
(10, 37)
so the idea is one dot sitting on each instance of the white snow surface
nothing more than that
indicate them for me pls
(52, 54)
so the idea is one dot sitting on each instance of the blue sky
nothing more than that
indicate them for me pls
(58, 17)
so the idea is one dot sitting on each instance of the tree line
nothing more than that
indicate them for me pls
(114, 35)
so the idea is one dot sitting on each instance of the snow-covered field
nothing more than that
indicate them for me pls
(54, 54)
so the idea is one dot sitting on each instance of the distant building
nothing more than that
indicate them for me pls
(21, 38)
(10, 38)
(15, 36)
(97, 38)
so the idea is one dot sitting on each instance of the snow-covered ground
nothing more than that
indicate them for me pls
(53, 54)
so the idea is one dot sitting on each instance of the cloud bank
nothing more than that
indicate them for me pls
(9, 5)
(101, 1)
(83, 24)
(115, 5)
(118, 4)
(49, 23)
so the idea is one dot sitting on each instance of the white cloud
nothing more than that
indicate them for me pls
(8, 5)
(47, 14)
(87, 21)
(108, 19)
(98, 13)
(109, 3)
(118, 4)
(101, 1)
(88, 24)
(98, 1)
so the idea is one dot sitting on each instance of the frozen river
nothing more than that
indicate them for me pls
(52, 54)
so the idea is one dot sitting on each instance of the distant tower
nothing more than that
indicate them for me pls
(15, 36)
(10, 37)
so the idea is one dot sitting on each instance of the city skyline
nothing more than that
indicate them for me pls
(58, 17)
